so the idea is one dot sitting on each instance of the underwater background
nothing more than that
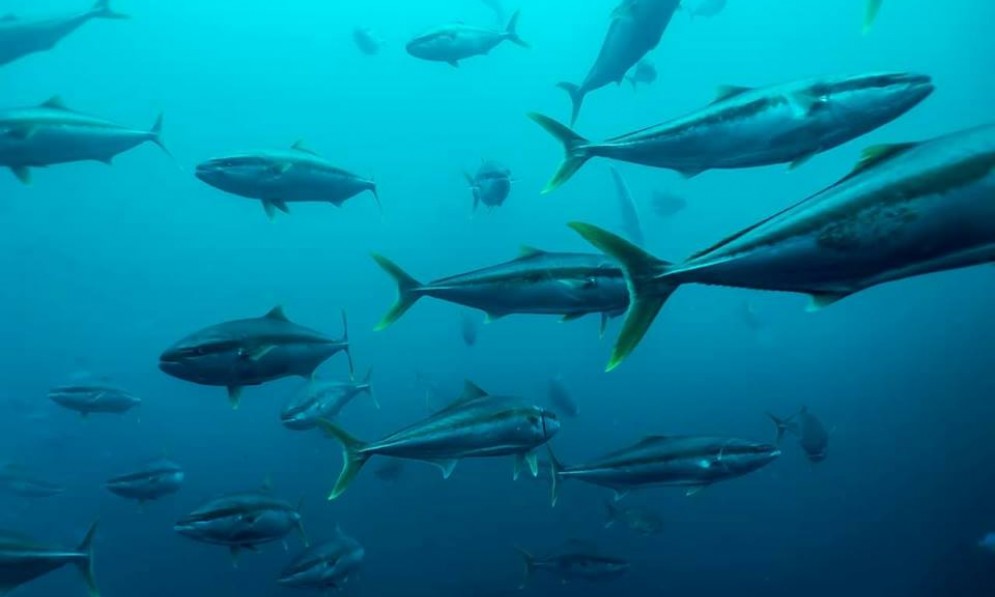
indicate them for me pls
(104, 267)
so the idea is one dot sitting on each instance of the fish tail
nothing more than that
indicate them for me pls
(781, 424)
(871, 13)
(555, 469)
(511, 31)
(353, 458)
(155, 135)
(368, 387)
(611, 513)
(530, 565)
(102, 10)
(473, 188)
(372, 187)
(345, 341)
(575, 150)
(576, 99)
(647, 292)
(408, 291)
(85, 564)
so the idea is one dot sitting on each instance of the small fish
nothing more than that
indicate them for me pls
(51, 134)
(703, 8)
(367, 41)
(636, 28)
(667, 205)
(248, 352)
(279, 177)
(94, 397)
(560, 398)
(812, 435)
(567, 284)
(324, 400)
(574, 564)
(477, 425)
(151, 481)
(468, 329)
(644, 73)
(20, 36)
(452, 43)
(746, 127)
(491, 185)
(325, 566)
(242, 521)
(987, 543)
(630, 217)
(22, 560)
(638, 520)
(693, 462)
(20, 482)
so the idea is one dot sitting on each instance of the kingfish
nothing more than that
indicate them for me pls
(325, 566)
(905, 210)
(477, 425)
(20, 37)
(51, 133)
(636, 28)
(693, 462)
(567, 284)
(277, 178)
(248, 352)
(452, 43)
(746, 127)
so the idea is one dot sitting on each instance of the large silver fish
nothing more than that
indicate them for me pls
(94, 397)
(22, 560)
(748, 127)
(694, 462)
(452, 43)
(491, 185)
(576, 562)
(15, 480)
(905, 210)
(51, 133)
(20, 37)
(636, 28)
(248, 352)
(477, 425)
(276, 178)
(321, 399)
(325, 566)
(567, 284)
(812, 434)
(151, 481)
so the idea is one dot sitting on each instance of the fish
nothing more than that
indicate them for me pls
(692, 462)
(560, 397)
(491, 185)
(812, 434)
(637, 520)
(390, 471)
(324, 566)
(636, 28)
(93, 397)
(574, 563)
(21, 36)
(324, 400)
(468, 329)
(51, 133)
(644, 73)
(703, 8)
(279, 177)
(476, 425)
(538, 282)
(630, 217)
(367, 41)
(151, 481)
(749, 127)
(249, 352)
(15, 480)
(242, 521)
(22, 560)
(452, 43)
(987, 543)
(871, 13)
(905, 210)
(667, 205)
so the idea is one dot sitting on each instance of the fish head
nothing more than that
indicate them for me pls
(201, 356)
(878, 95)
(301, 414)
(434, 45)
(238, 174)
(547, 425)
(740, 456)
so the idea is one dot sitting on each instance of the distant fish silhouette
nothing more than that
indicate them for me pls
(667, 204)
(703, 8)
(468, 329)
(367, 41)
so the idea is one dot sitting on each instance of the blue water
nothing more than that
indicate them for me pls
(103, 267)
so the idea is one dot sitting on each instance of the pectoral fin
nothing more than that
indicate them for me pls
(23, 173)
(821, 300)
(532, 459)
(695, 490)
(234, 394)
(446, 466)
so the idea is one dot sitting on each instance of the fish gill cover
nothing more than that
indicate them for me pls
(724, 168)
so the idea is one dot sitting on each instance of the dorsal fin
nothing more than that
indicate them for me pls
(8, 17)
(301, 146)
(878, 154)
(725, 92)
(277, 314)
(525, 252)
(471, 391)
(55, 102)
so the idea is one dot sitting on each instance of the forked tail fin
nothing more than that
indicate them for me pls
(647, 291)
(102, 10)
(407, 291)
(574, 150)
(511, 32)
(530, 565)
(576, 94)
(353, 458)
(345, 341)
(85, 564)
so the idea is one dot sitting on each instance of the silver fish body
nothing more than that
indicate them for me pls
(97, 397)
(452, 43)
(327, 565)
(21, 37)
(152, 481)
